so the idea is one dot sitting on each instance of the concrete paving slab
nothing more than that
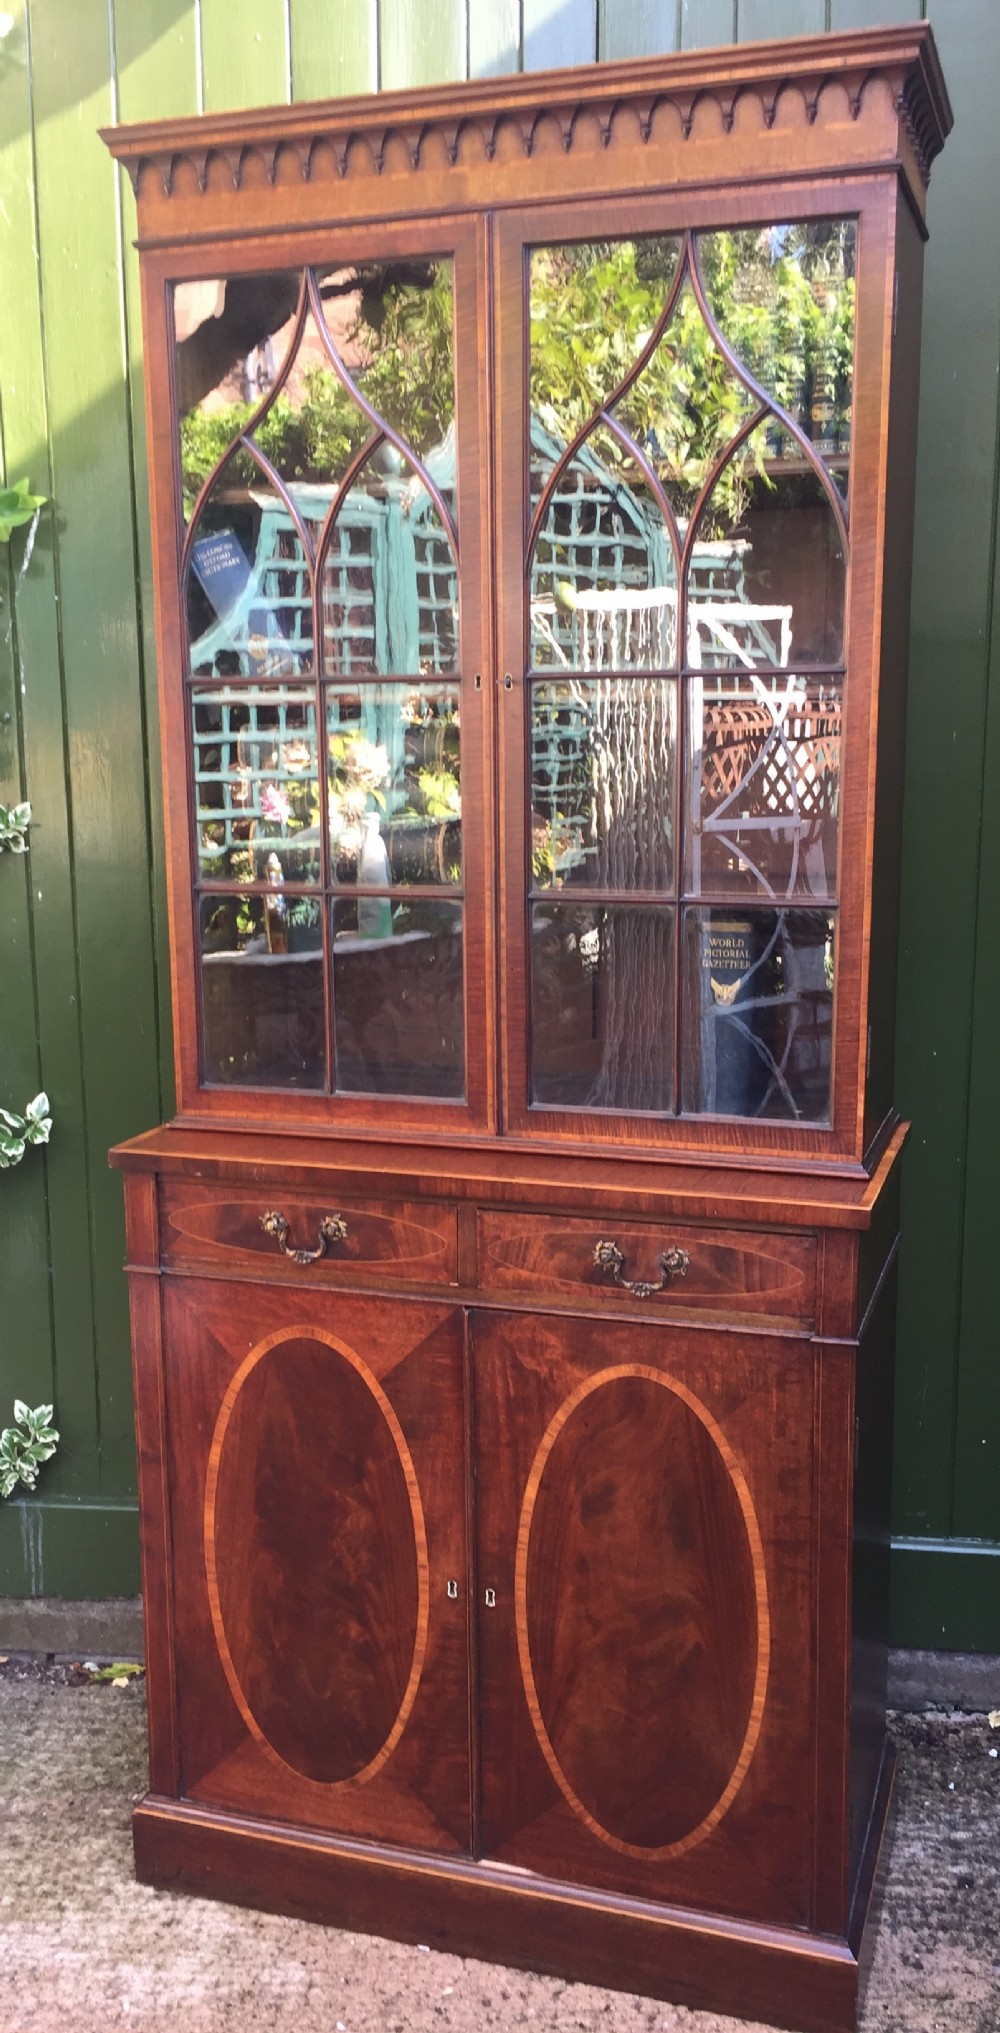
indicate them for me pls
(83, 1947)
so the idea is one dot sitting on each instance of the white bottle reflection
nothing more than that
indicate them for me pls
(374, 913)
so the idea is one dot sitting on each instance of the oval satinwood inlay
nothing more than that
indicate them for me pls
(642, 1612)
(316, 1557)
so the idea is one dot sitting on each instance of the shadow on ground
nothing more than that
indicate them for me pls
(82, 1946)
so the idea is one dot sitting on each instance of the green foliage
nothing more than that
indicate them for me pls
(404, 338)
(781, 300)
(17, 507)
(14, 823)
(18, 1131)
(24, 1446)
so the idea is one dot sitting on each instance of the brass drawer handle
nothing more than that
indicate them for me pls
(332, 1228)
(674, 1263)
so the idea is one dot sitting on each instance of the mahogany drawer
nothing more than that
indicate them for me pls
(766, 1276)
(412, 1242)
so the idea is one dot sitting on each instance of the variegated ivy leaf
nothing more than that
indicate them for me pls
(16, 1131)
(14, 823)
(25, 1446)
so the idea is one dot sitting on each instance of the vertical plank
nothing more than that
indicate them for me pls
(334, 47)
(494, 38)
(706, 23)
(758, 20)
(244, 53)
(643, 28)
(976, 1506)
(421, 42)
(50, 868)
(92, 486)
(156, 67)
(953, 564)
(26, 1362)
(873, 13)
(559, 32)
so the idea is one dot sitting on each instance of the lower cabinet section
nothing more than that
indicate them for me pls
(318, 1524)
(523, 1633)
(641, 1581)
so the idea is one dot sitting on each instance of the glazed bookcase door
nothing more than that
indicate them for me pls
(678, 437)
(321, 1629)
(644, 1610)
(328, 699)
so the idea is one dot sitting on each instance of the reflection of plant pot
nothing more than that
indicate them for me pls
(420, 849)
(304, 938)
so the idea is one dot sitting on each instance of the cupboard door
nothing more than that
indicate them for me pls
(319, 1559)
(644, 1509)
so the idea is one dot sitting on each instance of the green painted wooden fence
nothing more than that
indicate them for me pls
(83, 976)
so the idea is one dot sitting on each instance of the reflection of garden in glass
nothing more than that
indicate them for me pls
(316, 429)
(256, 787)
(261, 994)
(603, 769)
(763, 777)
(757, 1003)
(320, 542)
(689, 423)
(395, 802)
(638, 418)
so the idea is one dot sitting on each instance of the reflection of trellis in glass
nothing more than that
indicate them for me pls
(243, 741)
(389, 591)
(598, 535)
(770, 764)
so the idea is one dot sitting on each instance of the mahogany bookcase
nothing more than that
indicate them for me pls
(512, 1295)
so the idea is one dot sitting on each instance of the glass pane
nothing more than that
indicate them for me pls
(603, 576)
(758, 1013)
(232, 336)
(262, 992)
(768, 572)
(686, 406)
(249, 586)
(602, 783)
(602, 1001)
(394, 784)
(593, 307)
(763, 785)
(398, 997)
(388, 580)
(391, 323)
(783, 298)
(256, 783)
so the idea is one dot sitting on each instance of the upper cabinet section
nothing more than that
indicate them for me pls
(522, 467)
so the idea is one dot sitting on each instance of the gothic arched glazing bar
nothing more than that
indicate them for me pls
(379, 423)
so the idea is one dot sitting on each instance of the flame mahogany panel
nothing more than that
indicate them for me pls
(644, 1517)
(322, 1665)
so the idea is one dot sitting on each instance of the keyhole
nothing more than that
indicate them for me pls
(453, 1591)
(491, 1598)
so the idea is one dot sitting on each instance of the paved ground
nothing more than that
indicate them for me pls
(84, 1949)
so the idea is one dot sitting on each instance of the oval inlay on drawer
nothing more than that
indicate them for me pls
(219, 1225)
(769, 1276)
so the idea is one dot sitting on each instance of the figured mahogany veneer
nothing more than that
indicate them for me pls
(401, 1241)
(766, 1276)
(493, 1600)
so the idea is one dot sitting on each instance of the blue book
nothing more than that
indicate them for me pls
(222, 567)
